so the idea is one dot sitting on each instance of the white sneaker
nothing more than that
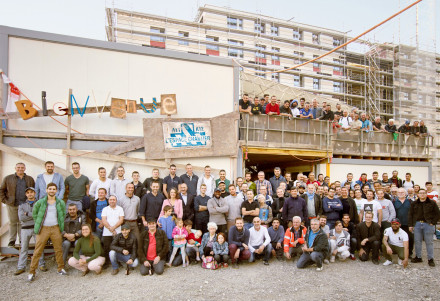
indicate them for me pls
(388, 262)
(320, 269)
(326, 261)
(332, 259)
(399, 261)
(31, 277)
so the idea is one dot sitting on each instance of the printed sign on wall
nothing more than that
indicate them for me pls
(178, 135)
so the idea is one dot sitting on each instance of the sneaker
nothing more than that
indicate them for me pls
(332, 259)
(399, 261)
(387, 263)
(225, 265)
(266, 262)
(431, 263)
(320, 269)
(416, 260)
(168, 264)
(375, 261)
(43, 268)
(62, 272)
(235, 265)
(31, 277)
(11, 244)
(198, 259)
(326, 261)
(115, 271)
(352, 257)
(18, 272)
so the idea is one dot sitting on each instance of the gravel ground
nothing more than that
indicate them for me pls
(340, 280)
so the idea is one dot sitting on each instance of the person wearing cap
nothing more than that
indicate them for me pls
(222, 187)
(153, 249)
(123, 249)
(27, 231)
(395, 241)
(222, 178)
(405, 128)
(12, 193)
(218, 208)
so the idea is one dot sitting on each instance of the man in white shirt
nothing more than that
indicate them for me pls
(208, 180)
(259, 242)
(112, 218)
(101, 182)
(395, 241)
(118, 184)
(359, 200)
(371, 205)
(432, 194)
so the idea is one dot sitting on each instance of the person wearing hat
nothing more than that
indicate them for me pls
(218, 208)
(405, 128)
(27, 231)
(123, 249)
(222, 187)
(395, 241)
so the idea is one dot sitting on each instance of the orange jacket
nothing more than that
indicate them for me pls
(289, 237)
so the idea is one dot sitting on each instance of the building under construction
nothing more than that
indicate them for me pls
(387, 80)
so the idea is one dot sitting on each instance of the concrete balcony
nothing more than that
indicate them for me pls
(304, 135)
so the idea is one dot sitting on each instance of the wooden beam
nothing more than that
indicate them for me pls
(69, 130)
(88, 110)
(294, 152)
(125, 147)
(4, 229)
(57, 135)
(123, 159)
(29, 158)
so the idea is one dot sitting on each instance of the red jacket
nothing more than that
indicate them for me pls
(289, 238)
(272, 108)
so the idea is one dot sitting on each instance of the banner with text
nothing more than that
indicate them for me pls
(178, 135)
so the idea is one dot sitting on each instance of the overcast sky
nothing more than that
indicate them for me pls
(86, 18)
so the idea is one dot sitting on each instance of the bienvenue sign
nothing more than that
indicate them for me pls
(178, 135)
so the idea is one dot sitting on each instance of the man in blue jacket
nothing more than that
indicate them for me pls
(49, 177)
(331, 206)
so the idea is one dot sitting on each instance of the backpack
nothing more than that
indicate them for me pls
(209, 263)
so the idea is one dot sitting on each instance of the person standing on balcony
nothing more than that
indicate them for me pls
(285, 109)
(273, 108)
(391, 127)
(405, 128)
(294, 108)
(244, 105)
(306, 112)
(316, 111)
(377, 125)
(256, 108)
(367, 126)
(327, 114)
(345, 121)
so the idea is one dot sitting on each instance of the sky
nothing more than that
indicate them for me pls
(86, 18)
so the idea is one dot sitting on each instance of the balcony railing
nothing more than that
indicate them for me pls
(295, 133)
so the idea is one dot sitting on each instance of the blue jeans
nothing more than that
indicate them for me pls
(98, 232)
(331, 224)
(424, 231)
(266, 253)
(310, 258)
(248, 225)
(115, 257)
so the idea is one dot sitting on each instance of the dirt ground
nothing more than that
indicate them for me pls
(338, 281)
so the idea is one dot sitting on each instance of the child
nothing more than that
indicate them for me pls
(221, 250)
(179, 242)
(197, 237)
(167, 223)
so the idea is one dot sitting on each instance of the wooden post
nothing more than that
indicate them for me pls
(69, 128)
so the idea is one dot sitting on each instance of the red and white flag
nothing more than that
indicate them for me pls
(14, 95)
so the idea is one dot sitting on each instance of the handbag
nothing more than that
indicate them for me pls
(209, 263)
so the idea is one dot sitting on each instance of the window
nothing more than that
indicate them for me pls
(275, 56)
(235, 23)
(405, 95)
(259, 53)
(183, 34)
(212, 47)
(276, 77)
(297, 81)
(259, 27)
(235, 52)
(316, 65)
(337, 87)
(299, 55)
(274, 30)
(336, 42)
(157, 38)
(297, 35)
(337, 70)
(316, 84)
(315, 38)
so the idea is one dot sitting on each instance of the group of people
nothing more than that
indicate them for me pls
(341, 120)
(181, 219)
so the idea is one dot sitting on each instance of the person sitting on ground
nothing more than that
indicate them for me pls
(179, 241)
(153, 249)
(276, 233)
(238, 238)
(193, 243)
(339, 242)
(265, 213)
(368, 237)
(208, 240)
(315, 247)
(294, 238)
(91, 252)
(259, 242)
(72, 228)
(124, 248)
(395, 241)
(350, 227)
(221, 250)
